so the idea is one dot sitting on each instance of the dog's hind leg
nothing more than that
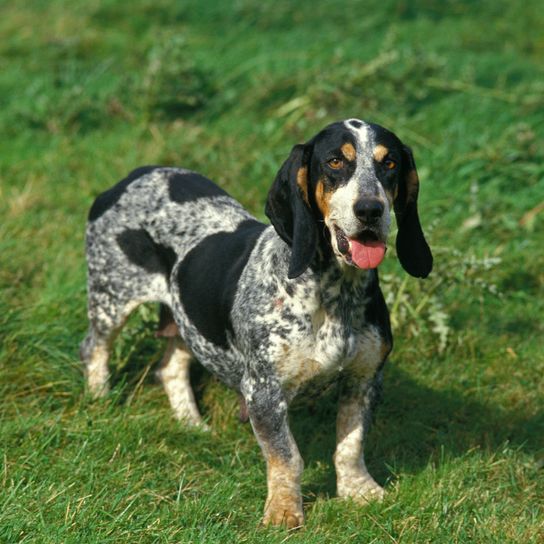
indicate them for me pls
(106, 318)
(174, 375)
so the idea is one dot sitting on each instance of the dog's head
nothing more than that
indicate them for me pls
(349, 177)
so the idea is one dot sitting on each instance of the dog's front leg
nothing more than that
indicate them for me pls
(353, 420)
(267, 410)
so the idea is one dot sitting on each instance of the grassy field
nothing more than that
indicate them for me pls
(90, 90)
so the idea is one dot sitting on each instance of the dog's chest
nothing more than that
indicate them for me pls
(320, 340)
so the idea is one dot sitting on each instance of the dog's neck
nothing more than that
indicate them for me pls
(333, 282)
(343, 284)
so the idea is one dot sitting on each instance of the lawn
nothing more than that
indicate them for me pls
(90, 90)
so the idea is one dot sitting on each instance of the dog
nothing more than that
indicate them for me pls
(272, 310)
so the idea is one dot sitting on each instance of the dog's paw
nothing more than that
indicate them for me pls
(193, 422)
(284, 513)
(97, 386)
(362, 489)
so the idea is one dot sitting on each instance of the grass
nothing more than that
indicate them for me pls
(92, 89)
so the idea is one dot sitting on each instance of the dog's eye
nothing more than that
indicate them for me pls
(390, 164)
(335, 163)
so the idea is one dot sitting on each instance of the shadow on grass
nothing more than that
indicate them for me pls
(414, 425)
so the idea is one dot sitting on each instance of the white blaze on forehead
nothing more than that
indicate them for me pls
(364, 160)
(364, 142)
(362, 133)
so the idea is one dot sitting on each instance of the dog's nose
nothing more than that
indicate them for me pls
(368, 210)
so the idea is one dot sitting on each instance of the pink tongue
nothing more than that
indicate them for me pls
(368, 254)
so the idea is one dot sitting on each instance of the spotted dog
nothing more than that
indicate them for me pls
(271, 310)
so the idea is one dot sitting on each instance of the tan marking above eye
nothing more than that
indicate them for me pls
(348, 151)
(380, 152)
(336, 163)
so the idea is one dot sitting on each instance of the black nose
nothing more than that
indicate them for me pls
(368, 210)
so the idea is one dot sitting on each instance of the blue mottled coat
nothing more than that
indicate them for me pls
(273, 311)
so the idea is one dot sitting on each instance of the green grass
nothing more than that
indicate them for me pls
(90, 90)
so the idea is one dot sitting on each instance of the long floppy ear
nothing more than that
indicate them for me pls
(288, 209)
(412, 249)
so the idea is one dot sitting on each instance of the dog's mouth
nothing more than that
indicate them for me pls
(366, 251)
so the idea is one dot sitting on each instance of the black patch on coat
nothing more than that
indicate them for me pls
(356, 124)
(143, 251)
(208, 279)
(108, 198)
(191, 186)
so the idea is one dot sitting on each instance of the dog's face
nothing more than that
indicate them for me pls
(354, 175)
(350, 177)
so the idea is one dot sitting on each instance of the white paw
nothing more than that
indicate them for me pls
(97, 386)
(287, 513)
(192, 422)
(362, 489)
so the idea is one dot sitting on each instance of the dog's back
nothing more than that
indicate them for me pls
(136, 233)
(156, 211)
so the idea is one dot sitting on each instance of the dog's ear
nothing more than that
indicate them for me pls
(412, 248)
(288, 208)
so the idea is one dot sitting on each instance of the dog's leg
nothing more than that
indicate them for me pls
(174, 375)
(352, 423)
(106, 318)
(267, 412)
(95, 352)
